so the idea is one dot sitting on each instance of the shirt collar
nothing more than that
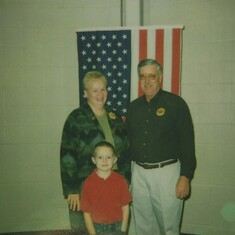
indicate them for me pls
(154, 99)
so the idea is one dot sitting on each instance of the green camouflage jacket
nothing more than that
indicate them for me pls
(80, 134)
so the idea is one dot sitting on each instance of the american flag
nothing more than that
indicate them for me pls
(117, 52)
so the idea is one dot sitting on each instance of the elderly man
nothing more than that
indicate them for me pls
(162, 148)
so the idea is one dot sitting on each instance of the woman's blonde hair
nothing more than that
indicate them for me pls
(93, 75)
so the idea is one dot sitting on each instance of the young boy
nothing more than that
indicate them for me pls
(105, 195)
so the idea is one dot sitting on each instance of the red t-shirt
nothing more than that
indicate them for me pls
(104, 198)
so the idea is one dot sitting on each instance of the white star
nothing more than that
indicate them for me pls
(109, 74)
(98, 59)
(103, 37)
(114, 66)
(114, 96)
(93, 37)
(114, 37)
(109, 44)
(124, 36)
(83, 52)
(124, 81)
(104, 66)
(83, 38)
(124, 66)
(84, 67)
(119, 44)
(88, 45)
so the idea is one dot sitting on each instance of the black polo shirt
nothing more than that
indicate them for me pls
(162, 129)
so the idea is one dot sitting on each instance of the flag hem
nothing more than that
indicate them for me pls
(132, 27)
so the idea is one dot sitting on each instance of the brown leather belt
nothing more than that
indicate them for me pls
(156, 165)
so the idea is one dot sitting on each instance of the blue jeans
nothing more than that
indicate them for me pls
(109, 229)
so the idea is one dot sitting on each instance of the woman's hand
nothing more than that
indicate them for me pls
(73, 202)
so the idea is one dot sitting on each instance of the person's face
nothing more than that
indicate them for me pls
(150, 80)
(96, 93)
(104, 158)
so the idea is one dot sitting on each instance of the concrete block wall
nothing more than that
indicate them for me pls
(38, 89)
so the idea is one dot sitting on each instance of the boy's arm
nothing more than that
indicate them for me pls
(89, 223)
(125, 215)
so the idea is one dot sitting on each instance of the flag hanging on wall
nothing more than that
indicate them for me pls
(116, 53)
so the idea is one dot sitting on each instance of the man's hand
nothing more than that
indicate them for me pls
(73, 202)
(182, 187)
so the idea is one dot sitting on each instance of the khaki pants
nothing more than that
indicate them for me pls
(156, 209)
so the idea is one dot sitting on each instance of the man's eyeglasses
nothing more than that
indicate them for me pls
(150, 76)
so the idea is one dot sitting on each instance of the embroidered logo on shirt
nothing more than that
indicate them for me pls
(160, 112)
(112, 115)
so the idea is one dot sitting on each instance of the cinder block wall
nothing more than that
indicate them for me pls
(38, 89)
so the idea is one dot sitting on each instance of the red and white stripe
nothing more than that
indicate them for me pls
(162, 44)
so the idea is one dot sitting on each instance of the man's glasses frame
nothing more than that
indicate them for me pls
(150, 76)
